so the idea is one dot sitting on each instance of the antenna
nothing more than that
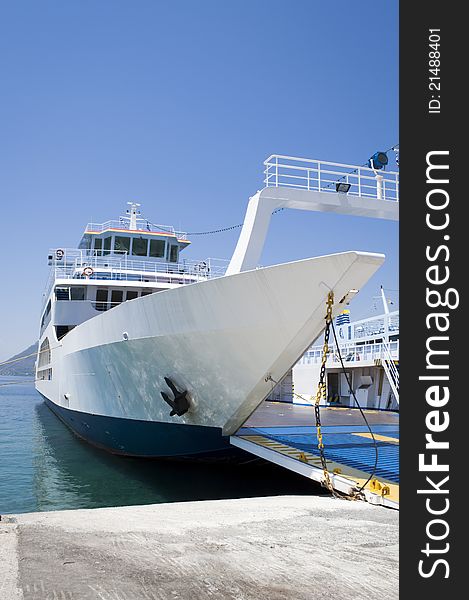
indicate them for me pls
(133, 215)
(386, 301)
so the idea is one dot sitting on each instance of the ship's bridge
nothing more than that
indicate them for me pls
(118, 261)
(134, 237)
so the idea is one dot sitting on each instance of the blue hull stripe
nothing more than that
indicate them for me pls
(145, 438)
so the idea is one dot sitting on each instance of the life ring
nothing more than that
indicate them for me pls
(202, 266)
(59, 254)
(88, 272)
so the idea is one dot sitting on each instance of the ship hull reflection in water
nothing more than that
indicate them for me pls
(69, 474)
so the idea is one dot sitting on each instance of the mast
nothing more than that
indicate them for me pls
(133, 215)
(386, 317)
(385, 302)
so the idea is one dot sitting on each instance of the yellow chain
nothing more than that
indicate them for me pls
(322, 390)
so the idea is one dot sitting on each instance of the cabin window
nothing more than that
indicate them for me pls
(140, 247)
(173, 254)
(157, 248)
(146, 292)
(44, 374)
(62, 330)
(77, 293)
(62, 293)
(116, 297)
(43, 354)
(46, 316)
(122, 244)
(131, 294)
(101, 300)
(98, 246)
(107, 245)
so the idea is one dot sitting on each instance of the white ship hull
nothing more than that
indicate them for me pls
(221, 340)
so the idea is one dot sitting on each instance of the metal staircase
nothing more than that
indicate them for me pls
(391, 368)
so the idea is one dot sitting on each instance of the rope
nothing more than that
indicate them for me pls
(215, 230)
(226, 228)
(14, 360)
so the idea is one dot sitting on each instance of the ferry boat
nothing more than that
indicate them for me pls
(144, 353)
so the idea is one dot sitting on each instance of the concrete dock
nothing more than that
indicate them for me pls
(278, 548)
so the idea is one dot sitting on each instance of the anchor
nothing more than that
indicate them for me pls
(181, 404)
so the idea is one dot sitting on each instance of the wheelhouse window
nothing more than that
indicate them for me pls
(98, 246)
(157, 248)
(122, 244)
(117, 297)
(107, 245)
(174, 254)
(140, 247)
(131, 295)
(86, 242)
(101, 299)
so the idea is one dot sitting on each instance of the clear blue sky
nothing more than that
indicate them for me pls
(175, 104)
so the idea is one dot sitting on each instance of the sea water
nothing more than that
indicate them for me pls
(44, 466)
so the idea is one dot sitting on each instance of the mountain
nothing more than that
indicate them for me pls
(22, 367)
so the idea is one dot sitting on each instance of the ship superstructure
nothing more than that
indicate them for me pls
(116, 261)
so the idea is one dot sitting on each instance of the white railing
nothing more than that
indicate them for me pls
(384, 325)
(351, 353)
(322, 176)
(142, 225)
(72, 264)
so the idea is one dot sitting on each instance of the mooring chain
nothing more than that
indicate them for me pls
(322, 392)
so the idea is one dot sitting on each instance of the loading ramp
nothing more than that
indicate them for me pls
(284, 434)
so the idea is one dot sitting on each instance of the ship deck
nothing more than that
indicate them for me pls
(285, 434)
